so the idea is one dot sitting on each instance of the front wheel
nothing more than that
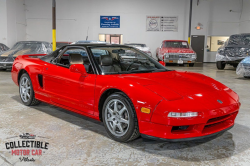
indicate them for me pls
(119, 118)
(26, 91)
(220, 65)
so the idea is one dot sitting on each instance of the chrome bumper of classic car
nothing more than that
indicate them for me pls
(6, 65)
(6, 62)
(179, 61)
(180, 58)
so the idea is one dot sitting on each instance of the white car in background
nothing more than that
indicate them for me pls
(141, 47)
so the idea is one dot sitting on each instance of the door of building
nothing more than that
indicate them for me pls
(197, 43)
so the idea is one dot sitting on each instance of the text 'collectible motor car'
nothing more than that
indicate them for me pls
(176, 51)
(235, 49)
(23, 48)
(130, 92)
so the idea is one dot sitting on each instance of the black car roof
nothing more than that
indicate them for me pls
(97, 44)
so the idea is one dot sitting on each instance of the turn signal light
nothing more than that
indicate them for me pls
(145, 110)
(182, 115)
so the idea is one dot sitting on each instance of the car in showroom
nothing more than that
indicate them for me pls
(142, 47)
(234, 50)
(3, 47)
(23, 48)
(130, 92)
(176, 52)
(243, 68)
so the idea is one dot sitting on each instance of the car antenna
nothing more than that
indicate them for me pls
(87, 34)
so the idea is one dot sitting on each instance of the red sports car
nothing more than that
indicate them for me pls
(129, 91)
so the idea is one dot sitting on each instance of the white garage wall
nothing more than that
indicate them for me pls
(75, 16)
(3, 22)
(12, 21)
(245, 17)
(217, 20)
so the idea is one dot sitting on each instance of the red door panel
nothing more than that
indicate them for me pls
(69, 89)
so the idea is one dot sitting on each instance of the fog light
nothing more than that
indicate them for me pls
(182, 115)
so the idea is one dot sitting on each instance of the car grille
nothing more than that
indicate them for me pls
(178, 56)
(219, 122)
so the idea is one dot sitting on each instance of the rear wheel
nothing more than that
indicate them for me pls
(26, 91)
(220, 65)
(119, 118)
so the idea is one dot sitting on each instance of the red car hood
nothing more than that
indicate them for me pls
(175, 85)
(177, 50)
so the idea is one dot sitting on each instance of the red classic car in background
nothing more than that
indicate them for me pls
(176, 51)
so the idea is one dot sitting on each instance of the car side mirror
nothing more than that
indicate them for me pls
(78, 68)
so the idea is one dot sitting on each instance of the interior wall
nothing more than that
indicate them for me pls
(16, 24)
(3, 22)
(217, 20)
(74, 18)
(245, 17)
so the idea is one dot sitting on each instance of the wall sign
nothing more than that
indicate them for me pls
(162, 23)
(109, 21)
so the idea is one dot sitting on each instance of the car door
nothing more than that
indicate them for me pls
(67, 88)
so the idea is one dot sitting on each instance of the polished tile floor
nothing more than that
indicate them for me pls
(76, 140)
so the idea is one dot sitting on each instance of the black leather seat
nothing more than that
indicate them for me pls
(77, 59)
(106, 63)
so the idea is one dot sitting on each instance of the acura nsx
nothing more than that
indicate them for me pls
(130, 92)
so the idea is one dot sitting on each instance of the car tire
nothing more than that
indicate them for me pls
(26, 91)
(117, 114)
(220, 65)
(191, 64)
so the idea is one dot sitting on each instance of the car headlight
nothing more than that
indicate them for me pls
(182, 115)
(194, 56)
(166, 55)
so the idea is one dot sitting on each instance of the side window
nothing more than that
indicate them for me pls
(65, 60)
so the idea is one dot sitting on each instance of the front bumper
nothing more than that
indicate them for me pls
(185, 139)
(6, 65)
(176, 61)
(234, 59)
(214, 122)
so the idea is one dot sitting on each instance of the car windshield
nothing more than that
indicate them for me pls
(123, 60)
(176, 44)
(137, 45)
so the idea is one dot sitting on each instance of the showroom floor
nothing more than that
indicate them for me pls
(76, 140)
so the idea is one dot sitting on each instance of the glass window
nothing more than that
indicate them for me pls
(119, 60)
(176, 44)
(215, 42)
